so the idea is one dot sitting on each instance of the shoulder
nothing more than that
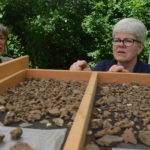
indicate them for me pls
(4, 59)
(104, 65)
(142, 67)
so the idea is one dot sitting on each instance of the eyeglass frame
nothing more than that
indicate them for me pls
(123, 41)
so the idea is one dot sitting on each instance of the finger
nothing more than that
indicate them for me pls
(116, 68)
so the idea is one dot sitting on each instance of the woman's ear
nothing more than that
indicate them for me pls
(140, 47)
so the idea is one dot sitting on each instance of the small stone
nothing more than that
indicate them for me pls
(55, 112)
(16, 133)
(144, 137)
(109, 140)
(91, 146)
(48, 124)
(129, 105)
(44, 121)
(58, 121)
(129, 137)
(21, 146)
(1, 137)
(2, 100)
(2, 108)
(89, 132)
(9, 118)
(25, 124)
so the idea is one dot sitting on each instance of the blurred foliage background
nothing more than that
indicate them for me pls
(55, 33)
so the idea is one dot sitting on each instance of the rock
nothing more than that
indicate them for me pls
(9, 118)
(21, 146)
(16, 133)
(58, 121)
(109, 140)
(25, 124)
(2, 136)
(44, 121)
(125, 123)
(91, 146)
(2, 108)
(33, 100)
(129, 137)
(34, 115)
(2, 100)
(144, 137)
(48, 125)
(107, 124)
(127, 106)
(96, 123)
(54, 112)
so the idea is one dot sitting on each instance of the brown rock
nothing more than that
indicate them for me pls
(96, 123)
(91, 146)
(129, 137)
(109, 140)
(58, 121)
(55, 112)
(2, 100)
(16, 133)
(9, 118)
(21, 146)
(34, 115)
(38, 99)
(1, 137)
(144, 137)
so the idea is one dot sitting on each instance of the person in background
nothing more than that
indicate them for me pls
(128, 36)
(3, 41)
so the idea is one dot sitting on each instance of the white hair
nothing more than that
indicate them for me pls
(132, 26)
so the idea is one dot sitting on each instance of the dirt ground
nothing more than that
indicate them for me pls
(121, 114)
(43, 103)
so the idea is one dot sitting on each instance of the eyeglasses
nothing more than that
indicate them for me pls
(126, 42)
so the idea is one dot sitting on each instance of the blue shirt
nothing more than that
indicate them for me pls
(3, 59)
(104, 65)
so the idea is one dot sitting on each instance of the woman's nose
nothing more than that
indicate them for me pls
(121, 43)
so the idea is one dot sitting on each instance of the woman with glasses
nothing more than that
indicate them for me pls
(128, 42)
(3, 40)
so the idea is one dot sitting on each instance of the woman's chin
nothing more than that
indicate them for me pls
(121, 60)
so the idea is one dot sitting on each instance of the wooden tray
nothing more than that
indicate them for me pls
(17, 70)
(76, 138)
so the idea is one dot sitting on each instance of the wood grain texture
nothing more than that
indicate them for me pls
(59, 74)
(13, 66)
(12, 80)
(109, 77)
(76, 137)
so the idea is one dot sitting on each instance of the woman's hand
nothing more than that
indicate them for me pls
(80, 65)
(117, 68)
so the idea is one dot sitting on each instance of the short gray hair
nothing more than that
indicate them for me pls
(132, 26)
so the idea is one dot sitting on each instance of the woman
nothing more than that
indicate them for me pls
(3, 41)
(128, 42)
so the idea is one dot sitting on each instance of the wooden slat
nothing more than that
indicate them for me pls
(59, 74)
(13, 66)
(108, 77)
(77, 134)
(12, 80)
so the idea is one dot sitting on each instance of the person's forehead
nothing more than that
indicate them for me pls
(124, 35)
